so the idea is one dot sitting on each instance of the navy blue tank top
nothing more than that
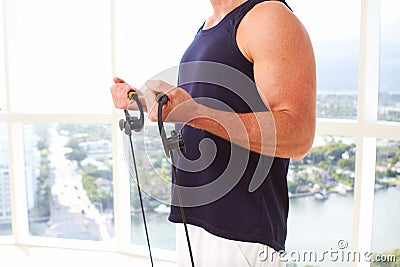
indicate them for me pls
(229, 191)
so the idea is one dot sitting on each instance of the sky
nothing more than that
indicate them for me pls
(59, 52)
(336, 42)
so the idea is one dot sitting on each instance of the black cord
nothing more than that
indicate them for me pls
(162, 99)
(181, 208)
(141, 201)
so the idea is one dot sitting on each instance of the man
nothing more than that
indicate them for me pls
(254, 130)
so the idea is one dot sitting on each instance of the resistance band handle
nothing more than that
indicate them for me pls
(132, 123)
(175, 141)
(140, 124)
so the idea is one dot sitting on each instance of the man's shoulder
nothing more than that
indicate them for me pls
(270, 14)
(270, 24)
(272, 5)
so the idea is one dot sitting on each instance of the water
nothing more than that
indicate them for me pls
(161, 231)
(386, 231)
(313, 225)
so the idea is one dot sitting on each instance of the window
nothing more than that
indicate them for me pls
(62, 168)
(321, 197)
(165, 42)
(387, 178)
(57, 64)
(154, 172)
(321, 186)
(336, 43)
(68, 169)
(58, 71)
(5, 204)
(389, 83)
(387, 197)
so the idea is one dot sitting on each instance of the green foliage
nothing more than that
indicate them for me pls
(165, 173)
(96, 195)
(337, 106)
(76, 155)
(344, 106)
(292, 186)
(347, 164)
(331, 152)
(95, 172)
(386, 259)
(332, 162)
(89, 184)
(387, 156)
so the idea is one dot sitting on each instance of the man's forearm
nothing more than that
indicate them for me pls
(252, 131)
(270, 133)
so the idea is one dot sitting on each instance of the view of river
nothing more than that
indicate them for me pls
(313, 225)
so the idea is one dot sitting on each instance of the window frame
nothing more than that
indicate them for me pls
(366, 129)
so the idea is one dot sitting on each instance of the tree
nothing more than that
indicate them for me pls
(347, 164)
(76, 155)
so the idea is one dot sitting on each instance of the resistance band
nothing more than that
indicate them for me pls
(174, 142)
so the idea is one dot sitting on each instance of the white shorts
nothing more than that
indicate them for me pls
(210, 250)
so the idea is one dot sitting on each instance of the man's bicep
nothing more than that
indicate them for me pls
(285, 86)
(284, 67)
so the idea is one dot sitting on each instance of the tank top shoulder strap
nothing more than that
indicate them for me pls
(247, 6)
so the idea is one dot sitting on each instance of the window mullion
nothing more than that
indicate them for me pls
(19, 211)
(367, 115)
(121, 193)
(16, 162)
(121, 180)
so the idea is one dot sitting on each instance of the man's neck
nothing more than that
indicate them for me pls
(221, 8)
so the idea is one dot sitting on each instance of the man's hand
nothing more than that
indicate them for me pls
(180, 108)
(119, 92)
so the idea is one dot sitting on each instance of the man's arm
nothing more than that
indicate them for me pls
(276, 42)
(284, 69)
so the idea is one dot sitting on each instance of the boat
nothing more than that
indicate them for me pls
(162, 208)
(320, 195)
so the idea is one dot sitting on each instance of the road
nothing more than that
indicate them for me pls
(72, 213)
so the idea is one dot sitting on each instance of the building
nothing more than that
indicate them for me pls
(5, 205)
